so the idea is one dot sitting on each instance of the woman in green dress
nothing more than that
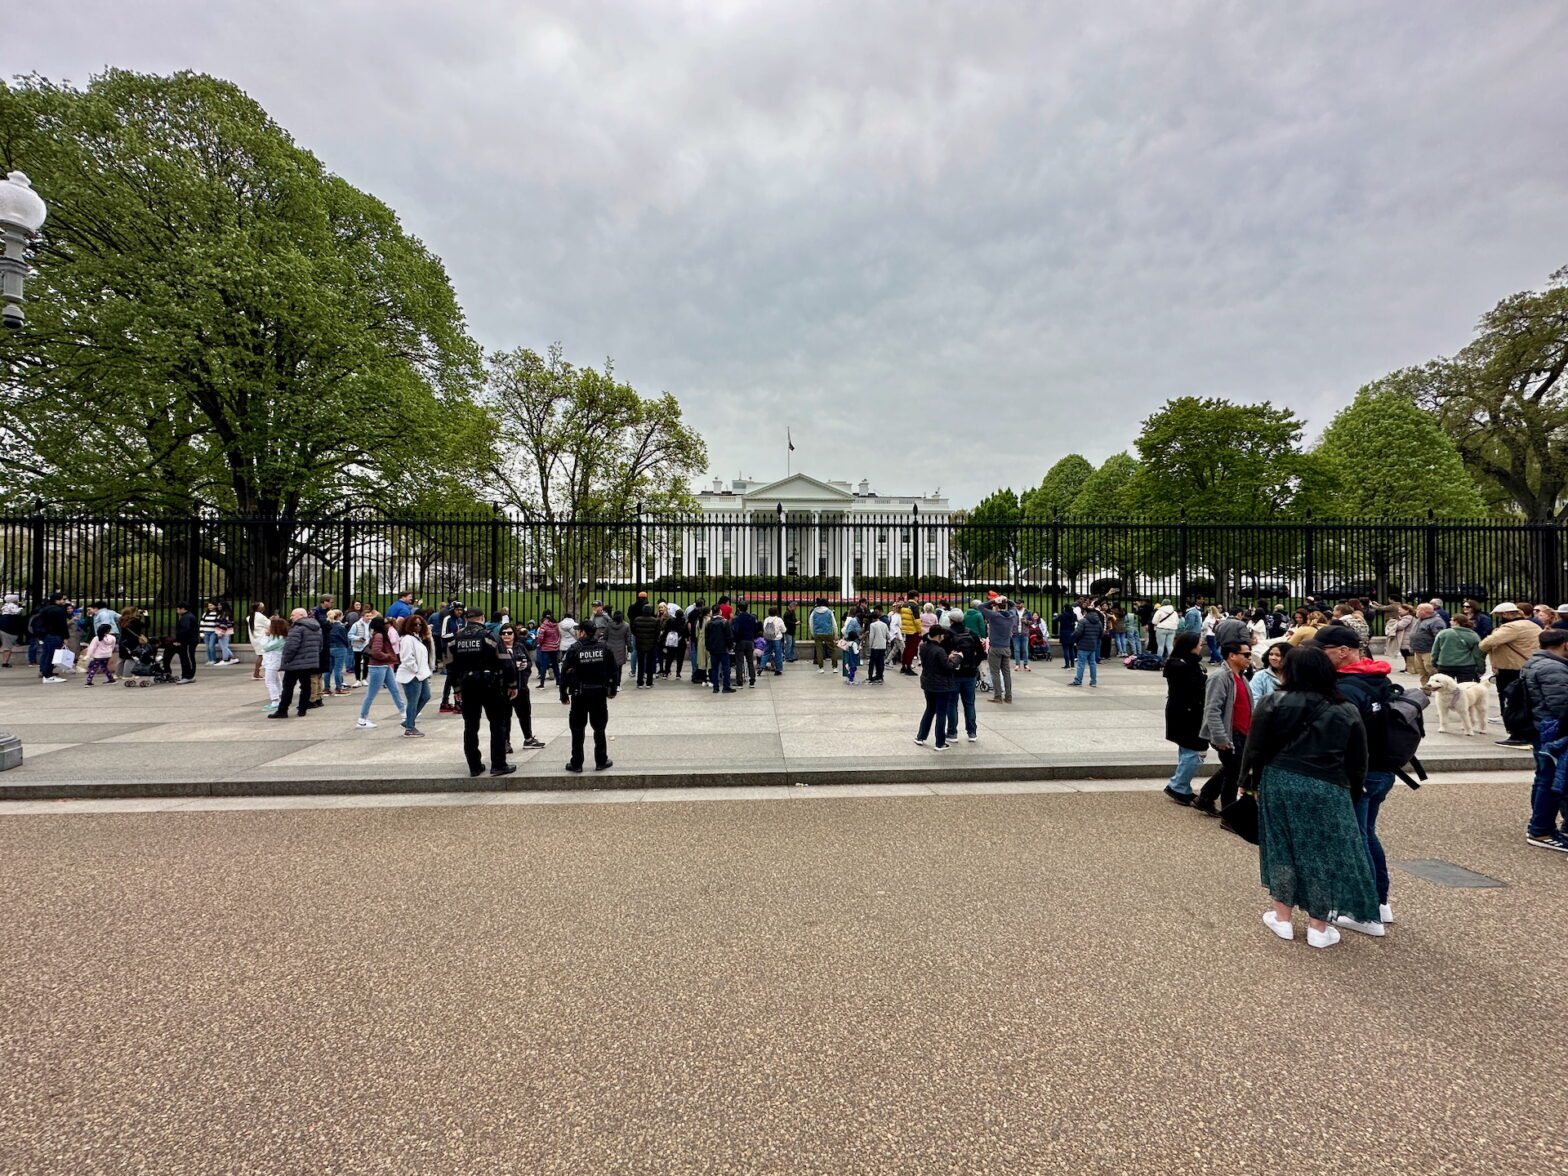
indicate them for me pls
(1306, 757)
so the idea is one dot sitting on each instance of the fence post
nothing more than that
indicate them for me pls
(1431, 554)
(495, 558)
(1056, 561)
(1549, 586)
(783, 547)
(347, 596)
(1309, 556)
(914, 534)
(192, 568)
(1181, 562)
(637, 568)
(35, 578)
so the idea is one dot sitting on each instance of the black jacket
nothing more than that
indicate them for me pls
(55, 621)
(936, 670)
(1545, 678)
(1309, 735)
(645, 630)
(1185, 682)
(717, 636)
(588, 668)
(1089, 631)
(967, 646)
(745, 627)
(187, 630)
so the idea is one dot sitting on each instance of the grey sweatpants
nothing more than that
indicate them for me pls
(1001, 664)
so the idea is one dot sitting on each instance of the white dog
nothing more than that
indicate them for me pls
(1471, 698)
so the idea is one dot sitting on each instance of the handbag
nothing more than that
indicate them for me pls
(672, 640)
(1240, 817)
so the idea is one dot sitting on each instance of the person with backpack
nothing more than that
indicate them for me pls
(1545, 683)
(717, 640)
(647, 627)
(967, 646)
(1510, 644)
(1365, 684)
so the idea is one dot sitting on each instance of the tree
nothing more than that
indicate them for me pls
(1504, 399)
(588, 447)
(1108, 492)
(220, 326)
(1057, 490)
(986, 540)
(1219, 462)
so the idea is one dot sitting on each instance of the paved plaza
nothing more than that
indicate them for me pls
(804, 727)
(820, 983)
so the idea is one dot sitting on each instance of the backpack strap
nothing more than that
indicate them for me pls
(1406, 776)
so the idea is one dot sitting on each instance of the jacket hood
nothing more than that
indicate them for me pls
(1367, 665)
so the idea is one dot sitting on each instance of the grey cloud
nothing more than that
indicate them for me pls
(945, 243)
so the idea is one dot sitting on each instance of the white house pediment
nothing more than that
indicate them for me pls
(797, 488)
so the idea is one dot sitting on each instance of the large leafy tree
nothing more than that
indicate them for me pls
(1058, 490)
(985, 542)
(583, 445)
(219, 325)
(1504, 398)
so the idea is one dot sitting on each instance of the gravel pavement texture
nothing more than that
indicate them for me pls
(1042, 982)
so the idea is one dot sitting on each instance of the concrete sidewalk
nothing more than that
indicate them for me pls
(212, 739)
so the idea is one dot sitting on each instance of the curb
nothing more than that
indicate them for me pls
(946, 772)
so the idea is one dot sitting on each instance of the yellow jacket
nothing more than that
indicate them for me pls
(908, 620)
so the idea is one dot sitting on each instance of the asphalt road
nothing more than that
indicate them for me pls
(1064, 983)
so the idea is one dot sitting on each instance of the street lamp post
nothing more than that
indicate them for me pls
(21, 216)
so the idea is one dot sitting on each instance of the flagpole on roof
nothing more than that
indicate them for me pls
(788, 461)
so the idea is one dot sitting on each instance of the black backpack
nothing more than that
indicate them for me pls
(1394, 722)
(1518, 720)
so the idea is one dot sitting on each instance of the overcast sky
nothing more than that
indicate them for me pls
(945, 243)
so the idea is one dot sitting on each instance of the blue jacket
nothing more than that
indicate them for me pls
(1000, 624)
(822, 622)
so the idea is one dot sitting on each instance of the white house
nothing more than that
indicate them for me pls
(828, 529)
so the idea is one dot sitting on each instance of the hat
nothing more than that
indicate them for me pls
(1337, 635)
(956, 617)
(1562, 608)
(475, 614)
(1506, 606)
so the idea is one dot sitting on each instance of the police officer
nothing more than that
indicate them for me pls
(487, 679)
(588, 675)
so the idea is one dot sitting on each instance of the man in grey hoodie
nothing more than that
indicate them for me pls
(1000, 623)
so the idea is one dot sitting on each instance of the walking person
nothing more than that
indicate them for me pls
(1165, 620)
(209, 631)
(100, 654)
(824, 636)
(1307, 758)
(259, 624)
(1423, 635)
(414, 657)
(301, 656)
(486, 684)
(53, 625)
(1457, 651)
(909, 631)
(514, 645)
(1227, 716)
(937, 684)
(967, 646)
(1086, 639)
(1184, 701)
(383, 657)
(999, 620)
(587, 685)
(271, 654)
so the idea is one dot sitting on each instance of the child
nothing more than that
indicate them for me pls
(100, 652)
(851, 647)
(272, 659)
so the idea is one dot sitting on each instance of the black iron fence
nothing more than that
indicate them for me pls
(523, 567)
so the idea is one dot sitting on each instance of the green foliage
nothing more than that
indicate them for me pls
(1058, 490)
(219, 324)
(1387, 458)
(987, 538)
(1504, 400)
(1108, 492)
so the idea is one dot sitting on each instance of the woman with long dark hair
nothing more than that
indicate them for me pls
(1184, 686)
(1306, 758)
(938, 683)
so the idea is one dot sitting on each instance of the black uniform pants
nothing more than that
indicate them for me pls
(523, 708)
(291, 679)
(648, 665)
(590, 706)
(491, 702)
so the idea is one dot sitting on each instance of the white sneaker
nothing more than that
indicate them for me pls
(1373, 929)
(920, 742)
(1327, 937)
(823, 670)
(974, 739)
(51, 681)
(364, 723)
(1385, 914)
(1283, 929)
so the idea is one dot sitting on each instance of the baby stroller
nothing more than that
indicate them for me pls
(146, 669)
(1039, 647)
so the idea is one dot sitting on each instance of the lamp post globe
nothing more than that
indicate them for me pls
(22, 214)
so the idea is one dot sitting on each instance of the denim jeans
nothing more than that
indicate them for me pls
(1214, 649)
(938, 706)
(381, 676)
(50, 647)
(965, 695)
(1134, 642)
(720, 668)
(1163, 639)
(1020, 648)
(789, 647)
(1121, 643)
(1187, 764)
(340, 660)
(1090, 658)
(1545, 805)
(224, 652)
(416, 693)
(1376, 789)
(774, 655)
(211, 640)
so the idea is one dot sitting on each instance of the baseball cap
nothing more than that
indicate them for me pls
(1506, 606)
(1337, 635)
(475, 614)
